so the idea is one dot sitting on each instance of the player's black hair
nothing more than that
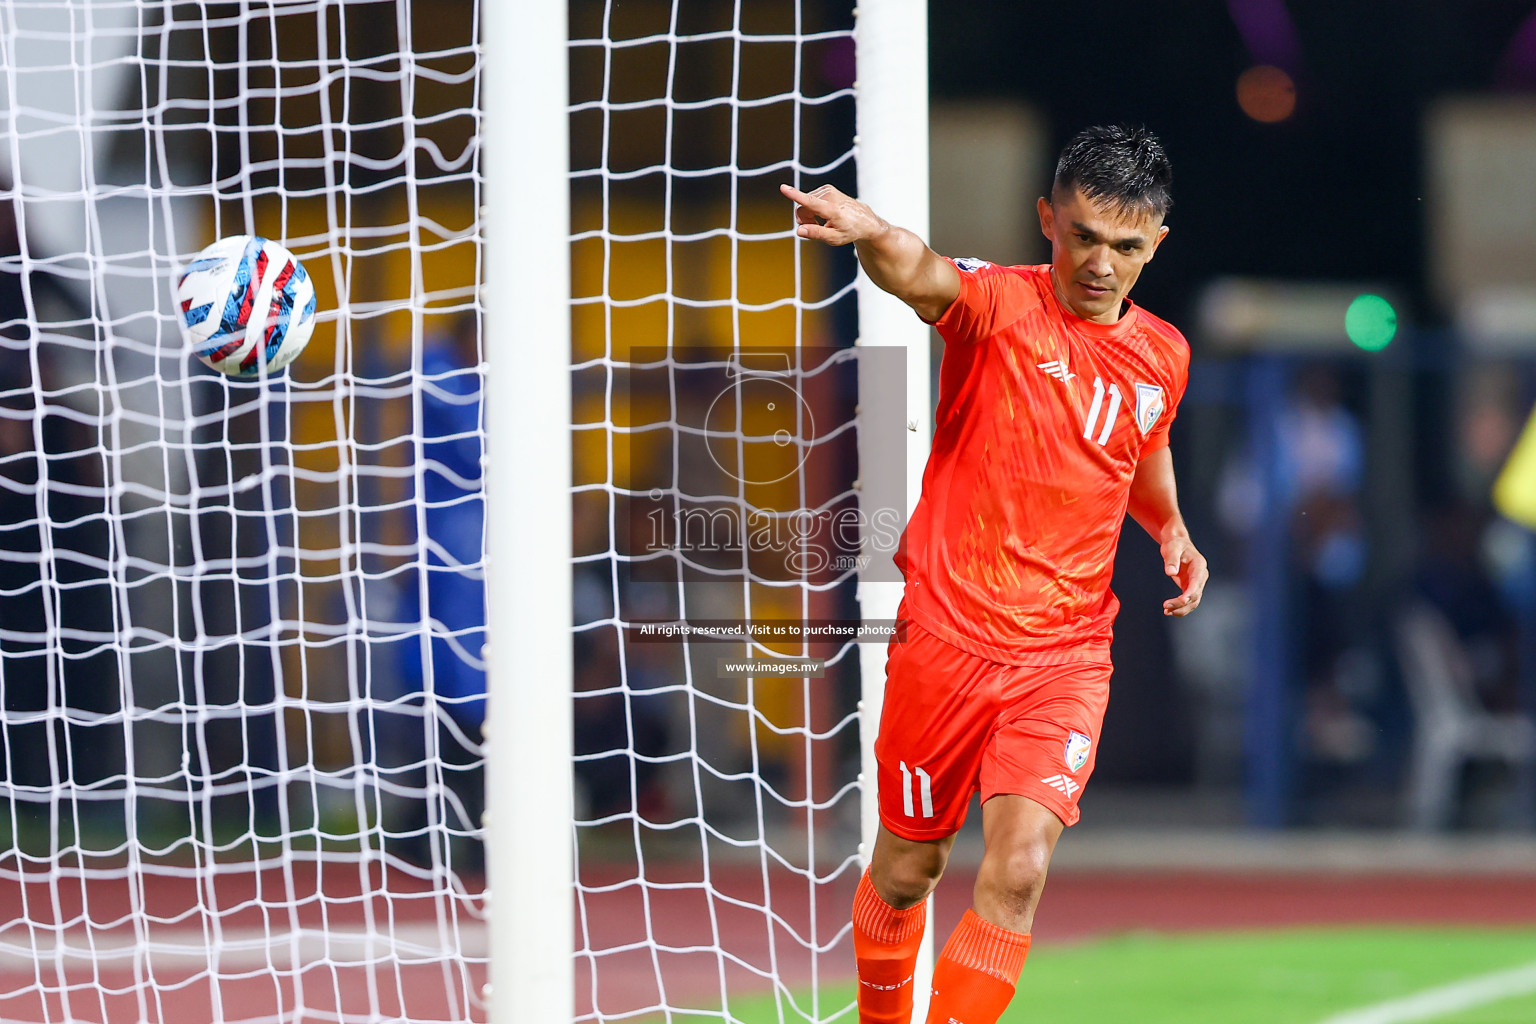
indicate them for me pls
(1121, 164)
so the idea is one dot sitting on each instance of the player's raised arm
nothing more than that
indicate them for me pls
(894, 258)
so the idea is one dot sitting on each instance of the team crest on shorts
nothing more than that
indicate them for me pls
(1149, 407)
(1076, 753)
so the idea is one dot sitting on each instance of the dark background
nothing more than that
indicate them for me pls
(1332, 192)
(1335, 192)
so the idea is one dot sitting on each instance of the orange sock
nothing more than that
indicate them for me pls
(885, 942)
(977, 972)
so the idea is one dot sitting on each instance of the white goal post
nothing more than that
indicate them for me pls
(893, 179)
(529, 537)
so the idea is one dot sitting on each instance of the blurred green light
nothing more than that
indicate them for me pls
(1370, 322)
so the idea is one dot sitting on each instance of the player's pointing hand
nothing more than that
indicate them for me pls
(1186, 566)
(828, 215)
(895, 259)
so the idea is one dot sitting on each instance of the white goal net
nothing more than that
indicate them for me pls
(240, 620)
(243, 622)
(716, 451)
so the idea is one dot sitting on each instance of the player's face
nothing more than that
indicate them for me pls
(1097, 252)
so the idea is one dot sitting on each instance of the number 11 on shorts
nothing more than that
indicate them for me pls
(925, 790)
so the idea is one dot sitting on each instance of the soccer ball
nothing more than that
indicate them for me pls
(247, 305)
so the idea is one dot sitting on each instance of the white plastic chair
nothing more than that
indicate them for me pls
(1451, 724)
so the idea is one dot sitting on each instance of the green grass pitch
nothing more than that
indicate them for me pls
(1282, 977)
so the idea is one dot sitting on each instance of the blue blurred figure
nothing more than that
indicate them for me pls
(428, 724)
(453, 492)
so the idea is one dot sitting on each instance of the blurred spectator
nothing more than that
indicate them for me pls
(57, 627)
(453, 491)
(1453, 578)
(621, 728)
(57, 662)
(1322, 467)
(450, 606)
(24, 654)
(1515, 488)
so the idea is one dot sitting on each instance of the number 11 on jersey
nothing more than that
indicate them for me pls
(925, 787)
(1115, 399)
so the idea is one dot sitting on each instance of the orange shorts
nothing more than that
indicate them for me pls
(954, 724)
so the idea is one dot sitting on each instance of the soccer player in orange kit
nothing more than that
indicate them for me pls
(1055, 398)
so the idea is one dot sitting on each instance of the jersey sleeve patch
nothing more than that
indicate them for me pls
(970, 264)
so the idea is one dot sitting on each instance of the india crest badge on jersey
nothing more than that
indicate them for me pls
(1076, 754)
(1149, 407)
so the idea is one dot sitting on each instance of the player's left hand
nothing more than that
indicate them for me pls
(1183, 562)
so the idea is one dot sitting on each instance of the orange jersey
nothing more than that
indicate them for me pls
(1042, 419)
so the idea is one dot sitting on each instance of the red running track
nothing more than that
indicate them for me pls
(683, 943)
(336, 942)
